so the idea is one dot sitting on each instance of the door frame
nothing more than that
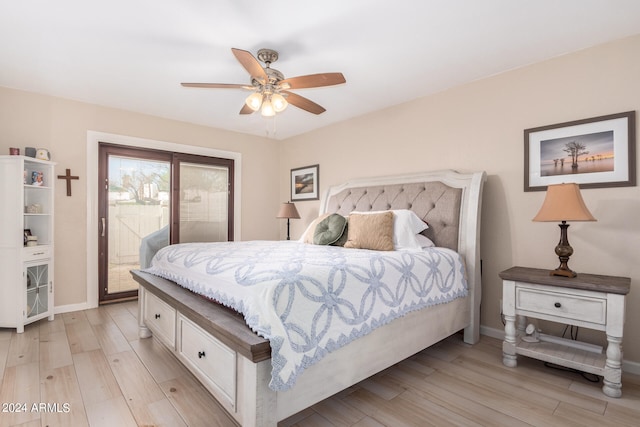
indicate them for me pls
(93, 140)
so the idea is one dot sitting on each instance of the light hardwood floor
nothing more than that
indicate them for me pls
(92, 370)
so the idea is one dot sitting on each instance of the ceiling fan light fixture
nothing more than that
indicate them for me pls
(278, 102)
(269, 87)
(254, 101)
(267, 108)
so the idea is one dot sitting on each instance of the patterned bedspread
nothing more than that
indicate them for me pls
(308, 300)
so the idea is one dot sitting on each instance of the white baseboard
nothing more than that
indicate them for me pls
(60, 309)
(627, 366)
(631, 367)
(492, 332)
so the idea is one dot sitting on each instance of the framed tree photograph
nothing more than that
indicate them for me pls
(305, 183)
(594, 153)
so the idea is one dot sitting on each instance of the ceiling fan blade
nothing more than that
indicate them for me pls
(250, 63)
(246, 109)
(313, 80)
(303, 103)
(217, 85)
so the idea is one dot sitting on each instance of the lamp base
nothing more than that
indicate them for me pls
(562, 272)
(564, 251)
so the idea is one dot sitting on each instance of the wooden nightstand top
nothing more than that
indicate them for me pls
(588, 282)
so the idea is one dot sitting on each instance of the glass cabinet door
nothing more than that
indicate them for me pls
(37, 277)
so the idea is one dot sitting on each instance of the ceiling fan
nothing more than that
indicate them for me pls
(271, 91)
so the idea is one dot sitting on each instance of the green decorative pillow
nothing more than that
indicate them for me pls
(307, 237)
(329, 230)
(345, 235)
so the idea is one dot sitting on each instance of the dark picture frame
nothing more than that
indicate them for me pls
(27, 232)
(305, 183)
(597, 152)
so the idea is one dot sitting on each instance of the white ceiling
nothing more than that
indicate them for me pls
(133, 54)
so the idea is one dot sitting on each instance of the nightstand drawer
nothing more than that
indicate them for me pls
(562, 305)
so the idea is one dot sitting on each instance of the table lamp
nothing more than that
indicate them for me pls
(563, 202)
(288, 210)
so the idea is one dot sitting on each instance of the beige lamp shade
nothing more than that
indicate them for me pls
(563, 202)
(288, 210)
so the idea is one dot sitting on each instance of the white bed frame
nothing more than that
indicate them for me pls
(241, 368)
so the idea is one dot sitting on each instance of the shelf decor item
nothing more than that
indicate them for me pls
(563, 202)
(37, 178)
(43, 154)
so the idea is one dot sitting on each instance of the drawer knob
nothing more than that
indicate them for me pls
(557, 305)
(201, 354)
(157, 316)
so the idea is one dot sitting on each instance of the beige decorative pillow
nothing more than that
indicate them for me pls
(371, 231)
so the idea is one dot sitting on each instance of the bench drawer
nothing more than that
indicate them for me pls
(212, 361)
(160, 317)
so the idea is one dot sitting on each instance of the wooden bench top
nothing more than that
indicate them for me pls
(223, 323)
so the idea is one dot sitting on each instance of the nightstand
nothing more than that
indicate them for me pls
(589, 301)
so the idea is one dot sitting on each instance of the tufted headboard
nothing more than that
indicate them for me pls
(448, 201)
(436, 203)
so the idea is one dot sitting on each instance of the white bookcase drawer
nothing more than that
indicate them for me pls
(35, 253)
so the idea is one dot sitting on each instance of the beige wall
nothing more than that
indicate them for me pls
(480, 126)
(476, 126)
(28, 119)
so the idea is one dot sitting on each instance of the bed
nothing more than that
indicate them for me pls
(236, 364)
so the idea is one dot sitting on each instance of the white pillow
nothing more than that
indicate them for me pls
(424, 241)
(406, 225)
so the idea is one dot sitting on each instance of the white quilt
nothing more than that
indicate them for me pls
(308, 300)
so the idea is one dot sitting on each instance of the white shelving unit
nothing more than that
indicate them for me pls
(26, 272)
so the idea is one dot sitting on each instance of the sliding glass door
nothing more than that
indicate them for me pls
(148, 198)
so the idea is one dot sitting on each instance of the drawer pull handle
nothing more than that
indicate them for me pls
(201, 354)
(557, 305)
(157, 316)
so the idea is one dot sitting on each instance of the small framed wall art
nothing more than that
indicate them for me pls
(305, 183)
(594, 153)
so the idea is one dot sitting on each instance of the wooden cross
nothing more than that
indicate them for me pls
(68, 177)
